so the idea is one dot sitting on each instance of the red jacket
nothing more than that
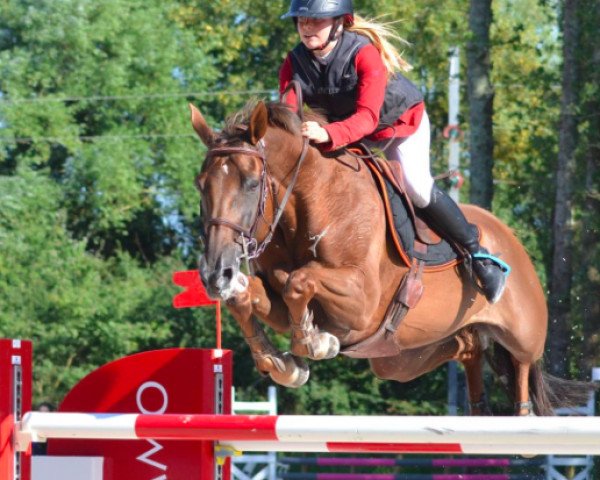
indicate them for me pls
(372, 76)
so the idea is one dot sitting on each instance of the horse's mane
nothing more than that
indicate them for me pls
(280, 115)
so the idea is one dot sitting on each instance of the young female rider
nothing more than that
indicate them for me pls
(348, 69)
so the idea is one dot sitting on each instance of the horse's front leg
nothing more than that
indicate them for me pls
(339, 289)
(283, 368)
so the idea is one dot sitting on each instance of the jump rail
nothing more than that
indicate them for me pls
(174, 407)
(479, 435)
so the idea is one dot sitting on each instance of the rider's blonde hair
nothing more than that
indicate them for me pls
(382, 35)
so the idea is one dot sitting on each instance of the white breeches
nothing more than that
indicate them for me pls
(413, 154)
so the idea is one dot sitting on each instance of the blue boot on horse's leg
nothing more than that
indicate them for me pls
(447, 219)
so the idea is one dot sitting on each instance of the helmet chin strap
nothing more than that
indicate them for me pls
(333, 34)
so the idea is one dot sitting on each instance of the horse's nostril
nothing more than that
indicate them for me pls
(227, 273)
(212, 280)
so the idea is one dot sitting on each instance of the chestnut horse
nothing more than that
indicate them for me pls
(314, 230)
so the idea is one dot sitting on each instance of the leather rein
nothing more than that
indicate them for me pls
(251, 247)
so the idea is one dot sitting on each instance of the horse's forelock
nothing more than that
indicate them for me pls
(235, 123)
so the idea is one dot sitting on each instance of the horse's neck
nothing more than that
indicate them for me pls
(283, 151)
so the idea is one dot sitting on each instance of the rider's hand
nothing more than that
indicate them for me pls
(315, 132)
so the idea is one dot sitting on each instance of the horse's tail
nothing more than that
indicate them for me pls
(547, 392)
(566, 393)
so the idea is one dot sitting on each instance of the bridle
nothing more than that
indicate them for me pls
(247, 235)
(251, 247)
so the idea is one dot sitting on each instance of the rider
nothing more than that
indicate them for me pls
(348, 69)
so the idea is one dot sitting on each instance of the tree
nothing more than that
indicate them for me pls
(526, 79)
(481, 103)
(561, 277)
(97, 161)
(587, 274)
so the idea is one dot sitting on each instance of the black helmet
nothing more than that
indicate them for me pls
(319, 8)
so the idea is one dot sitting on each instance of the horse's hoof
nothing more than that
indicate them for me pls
(322, 346)
(296, 372)
(316, 346)
(329, 347)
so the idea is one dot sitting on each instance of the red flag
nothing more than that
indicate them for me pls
(195, 294)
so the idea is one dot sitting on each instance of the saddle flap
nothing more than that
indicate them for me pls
(426, 234)
(392, 171)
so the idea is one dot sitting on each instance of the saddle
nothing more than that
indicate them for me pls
(410, 234)
(419, 247)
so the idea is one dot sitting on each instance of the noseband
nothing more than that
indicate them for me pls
(252, 248)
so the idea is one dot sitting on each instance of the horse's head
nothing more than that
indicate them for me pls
(232, 186)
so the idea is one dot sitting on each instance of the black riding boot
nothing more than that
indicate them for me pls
(447, 219)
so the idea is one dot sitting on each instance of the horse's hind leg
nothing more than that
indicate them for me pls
(465, 347)
(470, 353)
(412, 363)
(283, 368)
(523, 405)
(478, 402)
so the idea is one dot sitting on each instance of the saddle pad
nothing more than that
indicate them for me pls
(400, 225)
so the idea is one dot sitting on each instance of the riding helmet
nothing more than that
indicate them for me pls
(319, 8)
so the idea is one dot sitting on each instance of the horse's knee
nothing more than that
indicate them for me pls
(388, 370)
(298, 285)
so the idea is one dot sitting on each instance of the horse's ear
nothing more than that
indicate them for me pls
(205, 133)
(258, 123)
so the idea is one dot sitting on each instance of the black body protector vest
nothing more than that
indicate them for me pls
(332, 87)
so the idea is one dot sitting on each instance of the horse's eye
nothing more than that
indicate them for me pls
(251, 183)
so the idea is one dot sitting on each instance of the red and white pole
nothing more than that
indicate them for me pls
(485, 435)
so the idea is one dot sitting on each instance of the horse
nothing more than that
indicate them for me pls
(298, 239)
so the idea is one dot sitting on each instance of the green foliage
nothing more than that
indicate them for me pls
(247, 41)
(98, 162)
(124, 153)
(526, 104)
(79, 309)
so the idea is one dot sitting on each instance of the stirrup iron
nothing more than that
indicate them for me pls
(504, 267)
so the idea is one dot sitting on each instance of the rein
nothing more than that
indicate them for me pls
(370, 153)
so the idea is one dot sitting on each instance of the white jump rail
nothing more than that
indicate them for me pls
(485, 435)
(248, 433)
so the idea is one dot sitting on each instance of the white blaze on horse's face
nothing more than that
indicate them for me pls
(230, 188)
